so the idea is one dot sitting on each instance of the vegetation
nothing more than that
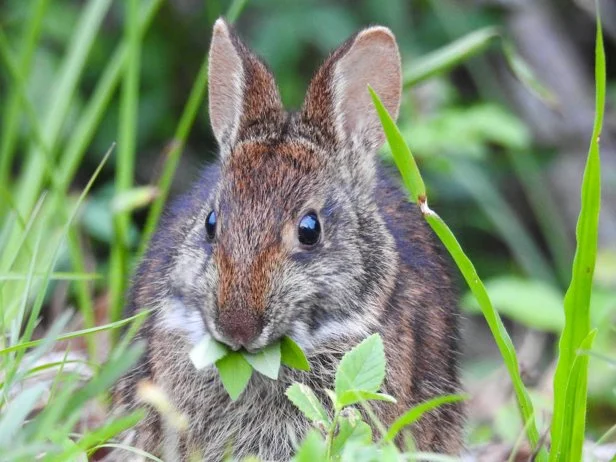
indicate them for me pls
(77, 210)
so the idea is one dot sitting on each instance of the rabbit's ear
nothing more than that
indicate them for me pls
(338, 100)
(241, 88)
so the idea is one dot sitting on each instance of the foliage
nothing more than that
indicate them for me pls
(570, 380)
(410, 172)
(235, 368)
(344, 435)
(75, 76)
(571, 376)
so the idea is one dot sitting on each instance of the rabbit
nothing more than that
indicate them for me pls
(297, 230)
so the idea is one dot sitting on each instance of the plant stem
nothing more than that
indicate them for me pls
(331, 433)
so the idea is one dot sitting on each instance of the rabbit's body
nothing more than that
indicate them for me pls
(374, 268)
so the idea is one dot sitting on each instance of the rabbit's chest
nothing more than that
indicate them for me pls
(261, 422)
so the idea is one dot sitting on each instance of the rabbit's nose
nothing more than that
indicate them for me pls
(240, 326)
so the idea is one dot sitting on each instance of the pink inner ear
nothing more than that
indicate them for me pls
(241, 88)
(372, 60)
(225, 83)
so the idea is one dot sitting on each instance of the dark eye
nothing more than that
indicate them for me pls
(210, 225)
(309, 229)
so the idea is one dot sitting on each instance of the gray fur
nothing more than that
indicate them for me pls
(376, 269)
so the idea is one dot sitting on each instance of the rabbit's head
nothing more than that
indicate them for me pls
(290, 240)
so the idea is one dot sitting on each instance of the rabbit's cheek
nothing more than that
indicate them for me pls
(176, 316)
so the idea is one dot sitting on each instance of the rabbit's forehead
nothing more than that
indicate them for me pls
(279, 174)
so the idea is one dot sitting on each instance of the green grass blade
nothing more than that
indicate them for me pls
(94, 438)
(19, 84)
(64, 88)
(574, 420)
(445, 58)
(25, 295)
(38, 303)
(109, 373)
(235, 9)
(10, 125)
(8, 259)
(95, 110)
(416, 412)
(472, 44)
(495, 323)
(504, 219)
(567, 428)
(401, 153)
(76, 334)
(546, 211)
(83, 297)
(526, 76)
(138, 452)
(409, 172)
(125, 160)
(17, 411)
(195, 100)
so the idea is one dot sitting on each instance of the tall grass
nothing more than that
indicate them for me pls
(37, 229)
(571, 377)
(412, 180)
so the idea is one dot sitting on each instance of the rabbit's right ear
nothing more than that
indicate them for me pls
(241, 88)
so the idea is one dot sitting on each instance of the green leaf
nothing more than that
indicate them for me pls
(362, 368)
(312, 448)
(292, 354)
(466, 132)
(351, 429)
(357, 451)
(351, 397)
(266, 361)
(571, 376)
(531, 302)
(306, 401)
(235, 373)
(416, 412)
(207, 352)
(389, 453)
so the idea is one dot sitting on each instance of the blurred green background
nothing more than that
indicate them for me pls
(501, 140)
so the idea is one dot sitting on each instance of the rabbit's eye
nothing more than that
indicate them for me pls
(309, 229)
(210, 225)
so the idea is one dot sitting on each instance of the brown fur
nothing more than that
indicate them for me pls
(377, 267)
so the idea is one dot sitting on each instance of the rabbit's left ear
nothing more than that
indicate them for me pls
(241, 88)
(338, 100)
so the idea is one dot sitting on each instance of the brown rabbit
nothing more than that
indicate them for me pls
(296, 231)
